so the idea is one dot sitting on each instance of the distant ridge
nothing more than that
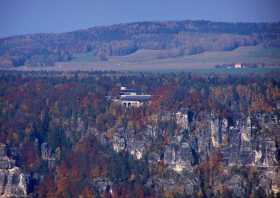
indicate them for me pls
(181, 37)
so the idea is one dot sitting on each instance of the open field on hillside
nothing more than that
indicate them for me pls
(150, 60)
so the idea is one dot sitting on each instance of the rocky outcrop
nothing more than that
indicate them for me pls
(48, 155)
(240, 144)
(13, 182)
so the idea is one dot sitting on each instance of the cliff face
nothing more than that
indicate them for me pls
(212, 145)
(12, 181)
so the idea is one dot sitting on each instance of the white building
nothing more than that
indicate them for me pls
(134, 100)
(130, 98)
(237, 65)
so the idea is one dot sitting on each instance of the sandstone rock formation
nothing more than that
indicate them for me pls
(12, 181)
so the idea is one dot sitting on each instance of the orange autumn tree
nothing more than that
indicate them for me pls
(161, 95)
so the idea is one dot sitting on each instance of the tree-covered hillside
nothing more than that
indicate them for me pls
(201, 135)
(182, 37)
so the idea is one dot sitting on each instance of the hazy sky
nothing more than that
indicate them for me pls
(32, 16)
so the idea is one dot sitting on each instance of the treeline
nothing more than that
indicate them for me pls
(44, 104)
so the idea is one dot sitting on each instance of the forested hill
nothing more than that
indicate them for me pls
(185, 37)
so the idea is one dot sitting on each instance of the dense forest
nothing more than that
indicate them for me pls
(180, 37)
(214, 135)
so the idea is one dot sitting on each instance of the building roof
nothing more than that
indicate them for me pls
(128, 91)
(140, 98)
